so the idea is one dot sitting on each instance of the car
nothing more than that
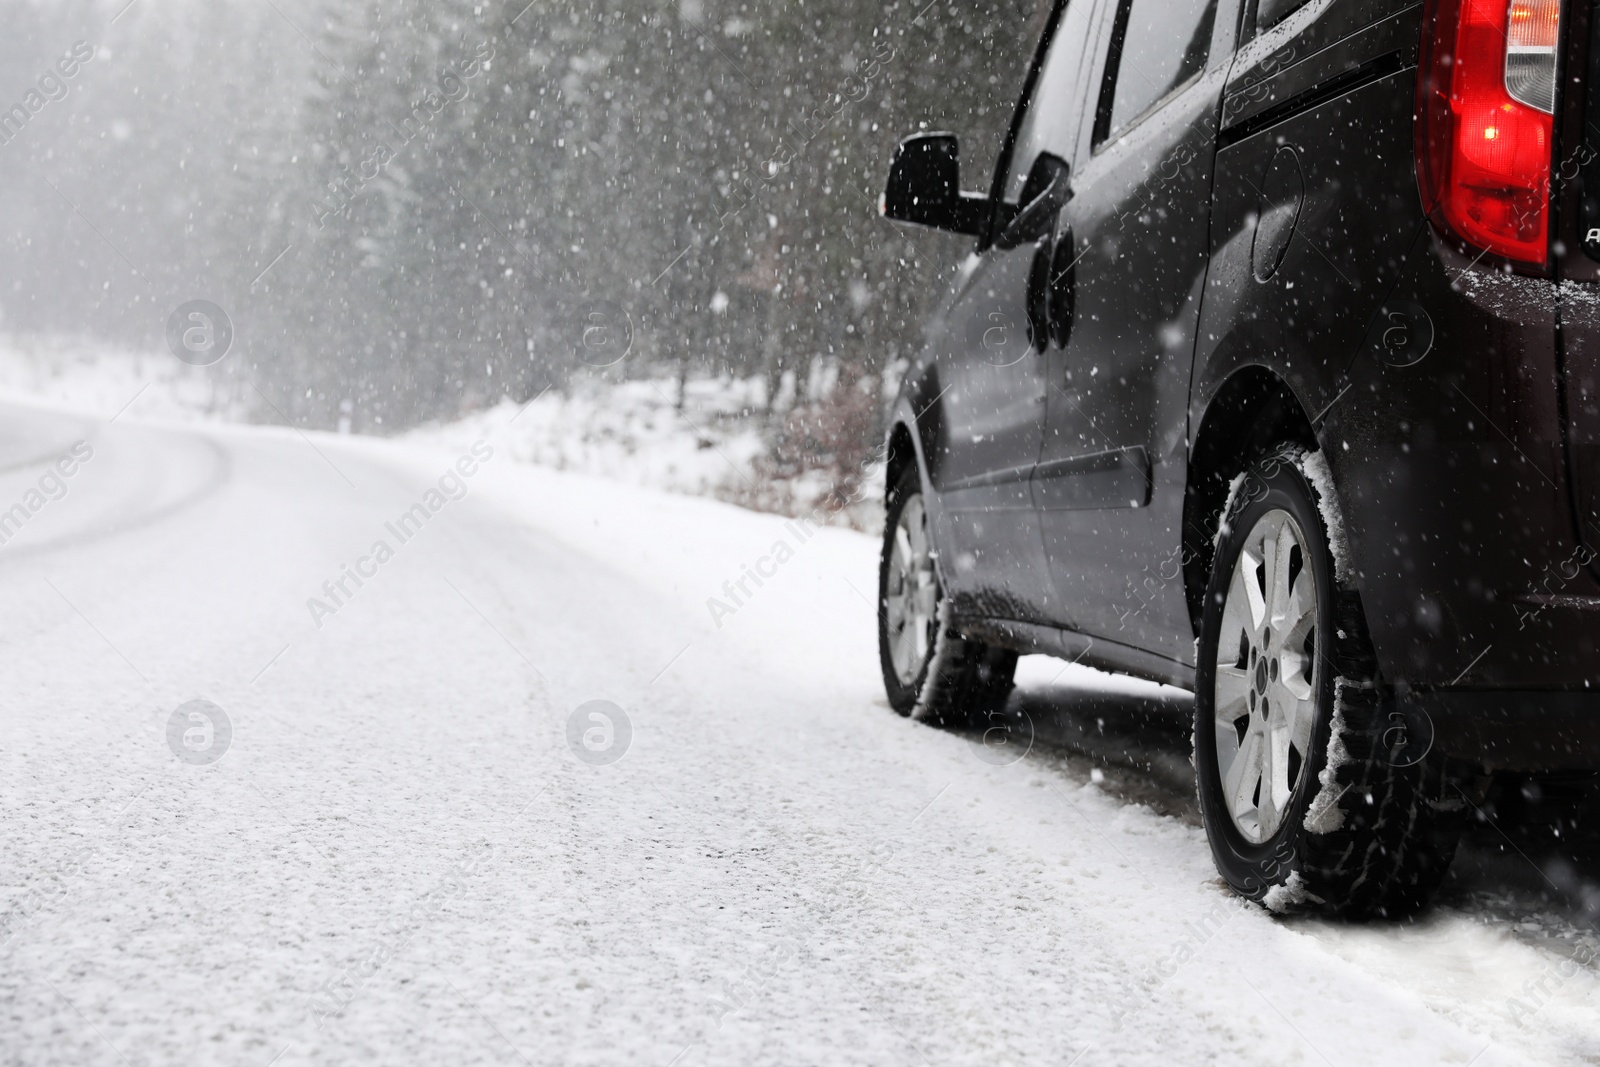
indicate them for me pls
(1274, 374)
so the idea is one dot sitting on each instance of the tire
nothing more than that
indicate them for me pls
(1350, 813)
(930, 671)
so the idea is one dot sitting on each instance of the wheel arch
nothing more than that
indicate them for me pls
(1253, 410)
(901, 453)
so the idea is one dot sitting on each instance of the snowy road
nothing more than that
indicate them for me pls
(400, 856)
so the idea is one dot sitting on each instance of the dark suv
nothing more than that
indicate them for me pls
(1275, 375)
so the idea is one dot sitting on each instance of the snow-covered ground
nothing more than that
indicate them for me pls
(407, 838)
(84, 375)
(635, 431)
(628, 430)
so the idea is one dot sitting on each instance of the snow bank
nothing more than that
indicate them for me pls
(634, 432)
(86, 376)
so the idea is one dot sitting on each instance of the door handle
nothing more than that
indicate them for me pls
(1038, 296)
(1063, 288)
(1052, 291)
(1050, 175)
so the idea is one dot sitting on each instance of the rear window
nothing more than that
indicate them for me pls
(1159, 46)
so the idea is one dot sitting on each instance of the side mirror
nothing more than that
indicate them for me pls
(925, 187)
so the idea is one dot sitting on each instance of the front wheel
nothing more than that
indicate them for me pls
(1311, 796)
(929, 670)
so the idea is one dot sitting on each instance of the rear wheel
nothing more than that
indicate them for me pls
(929, 670)
(1314, 795)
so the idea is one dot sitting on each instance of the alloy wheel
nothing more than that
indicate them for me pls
(912, 594)
(1267, 675)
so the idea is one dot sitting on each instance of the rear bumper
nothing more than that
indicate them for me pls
(1512, 731)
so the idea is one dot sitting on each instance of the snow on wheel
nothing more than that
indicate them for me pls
(929, 670)
(1305, 804)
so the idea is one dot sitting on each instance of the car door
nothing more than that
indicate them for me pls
(1109, 483)
(992, 379)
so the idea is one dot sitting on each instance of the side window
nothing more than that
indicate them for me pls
(1158, 46)
(1051, 113)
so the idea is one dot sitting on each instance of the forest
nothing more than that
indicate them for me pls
(412, 209)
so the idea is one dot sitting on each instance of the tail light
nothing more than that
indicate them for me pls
(1486, 96)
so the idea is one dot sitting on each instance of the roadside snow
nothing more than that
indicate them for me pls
(82, 375)
(627, 431)
(635, 432)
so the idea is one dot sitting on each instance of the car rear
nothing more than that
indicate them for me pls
(1471, 434)
(1433, 301)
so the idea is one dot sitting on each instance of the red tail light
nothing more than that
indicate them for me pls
(1486, 87)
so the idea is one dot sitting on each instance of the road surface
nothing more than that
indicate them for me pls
(393, 829)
